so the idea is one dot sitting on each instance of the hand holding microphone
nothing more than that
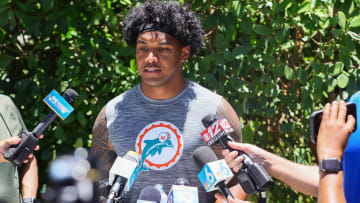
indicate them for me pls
(233, 159)
(7, 143)
(29, 140)
(252, 176)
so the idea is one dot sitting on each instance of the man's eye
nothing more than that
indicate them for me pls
(143, 48)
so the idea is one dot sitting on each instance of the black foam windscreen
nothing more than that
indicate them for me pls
(70, 95)
(150, 193)
(208, 120)
(203, 155)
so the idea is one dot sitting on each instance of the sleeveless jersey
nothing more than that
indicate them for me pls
(164, 133)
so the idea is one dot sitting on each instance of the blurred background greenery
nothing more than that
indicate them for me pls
(275, 61)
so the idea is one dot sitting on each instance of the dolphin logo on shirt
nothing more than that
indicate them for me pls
(154, 146)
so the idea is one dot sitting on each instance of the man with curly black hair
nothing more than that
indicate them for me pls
(161, 117)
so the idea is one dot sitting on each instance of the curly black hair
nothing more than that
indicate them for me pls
(175, 18)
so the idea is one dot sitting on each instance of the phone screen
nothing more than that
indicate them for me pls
(315, 120)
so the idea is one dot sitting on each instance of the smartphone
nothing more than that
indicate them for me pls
(315, 120)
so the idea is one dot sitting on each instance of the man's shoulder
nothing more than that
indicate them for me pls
(202, 90)
(5, 100)
(120, 97)
(124, 99)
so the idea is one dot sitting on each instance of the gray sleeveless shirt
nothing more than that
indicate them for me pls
(163, 132)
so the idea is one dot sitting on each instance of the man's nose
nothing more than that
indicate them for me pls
(151, 58)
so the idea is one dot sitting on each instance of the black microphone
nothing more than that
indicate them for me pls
(122, 175)
(149, 194)
(252, 176)
(70, 96)
(61, 105)
(215, 174)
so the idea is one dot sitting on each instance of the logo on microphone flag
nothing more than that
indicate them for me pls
(214, 172)
(58, 104)
(160, 145)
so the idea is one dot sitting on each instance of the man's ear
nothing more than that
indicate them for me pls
(185, 53)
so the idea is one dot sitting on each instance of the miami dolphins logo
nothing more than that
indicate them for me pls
(160, 145)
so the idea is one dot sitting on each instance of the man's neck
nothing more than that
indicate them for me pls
(164, 92)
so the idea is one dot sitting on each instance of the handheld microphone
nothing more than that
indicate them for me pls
(215, 174)
(122, 175)
(252, 176)
(61, 107)
(149, 194)
(181, 192)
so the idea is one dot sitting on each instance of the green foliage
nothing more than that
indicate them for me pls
(288, 58)
(275, 61)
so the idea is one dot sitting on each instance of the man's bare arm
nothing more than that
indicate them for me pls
(225, 110)
(101, 148)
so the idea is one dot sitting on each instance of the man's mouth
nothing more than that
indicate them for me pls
(152, 69)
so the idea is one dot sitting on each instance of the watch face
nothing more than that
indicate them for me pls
(331, 165)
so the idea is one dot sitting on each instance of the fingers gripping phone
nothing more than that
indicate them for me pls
(315, 120)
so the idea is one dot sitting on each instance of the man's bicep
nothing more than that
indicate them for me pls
(101, 148)
(225, 110)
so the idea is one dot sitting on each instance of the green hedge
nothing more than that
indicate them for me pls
(275, 61)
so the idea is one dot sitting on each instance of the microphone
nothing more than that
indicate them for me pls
(122, 175)
(149, 194)
(252, 176)
(215, 174)
(60, 106)
(181, 192)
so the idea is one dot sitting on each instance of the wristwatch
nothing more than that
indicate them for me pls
(330, 165)
(30, 200)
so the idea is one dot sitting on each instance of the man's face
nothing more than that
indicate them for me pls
(159, 58)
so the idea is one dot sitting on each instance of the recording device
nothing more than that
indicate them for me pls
(252, 176)
(122, 175)
(181, 192)
(149, 194)
(215, 174)
(315, 120)
(60, 106)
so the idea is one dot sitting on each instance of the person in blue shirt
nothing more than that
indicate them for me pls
(350, 160)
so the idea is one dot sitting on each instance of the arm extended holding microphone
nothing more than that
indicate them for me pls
(29, 140)
(305, 181)
(252, 176)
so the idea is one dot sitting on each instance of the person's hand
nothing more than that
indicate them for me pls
(235, 162)
(220, 198)
(7, 143)
(334, 131)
